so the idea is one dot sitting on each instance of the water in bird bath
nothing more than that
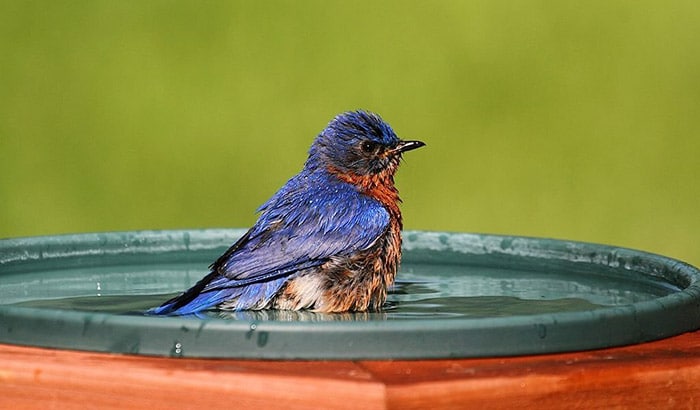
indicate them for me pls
(423, 292)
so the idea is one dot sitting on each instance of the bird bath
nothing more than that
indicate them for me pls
(457, 295)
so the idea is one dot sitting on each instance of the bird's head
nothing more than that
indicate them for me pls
(359, 143)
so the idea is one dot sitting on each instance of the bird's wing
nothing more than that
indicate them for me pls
(301, 230)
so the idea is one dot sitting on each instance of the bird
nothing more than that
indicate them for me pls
(328, 241)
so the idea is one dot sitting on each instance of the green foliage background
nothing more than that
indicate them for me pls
(564, 119)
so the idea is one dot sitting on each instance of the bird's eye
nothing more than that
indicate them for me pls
(368, 146)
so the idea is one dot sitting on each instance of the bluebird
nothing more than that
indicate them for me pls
(329, 240)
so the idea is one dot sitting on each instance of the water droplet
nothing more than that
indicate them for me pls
(176, 350)
(249, 334)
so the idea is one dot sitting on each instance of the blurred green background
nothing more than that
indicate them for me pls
(564, 119)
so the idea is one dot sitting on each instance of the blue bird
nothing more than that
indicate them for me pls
(329, 240)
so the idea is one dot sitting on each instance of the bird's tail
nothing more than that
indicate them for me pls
(214, 289)
(181, 306)
(194, 299)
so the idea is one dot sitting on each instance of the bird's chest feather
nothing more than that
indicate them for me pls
(379, 187)
(360, 281)
(386, 252)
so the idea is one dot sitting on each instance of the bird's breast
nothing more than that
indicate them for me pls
(377, 186)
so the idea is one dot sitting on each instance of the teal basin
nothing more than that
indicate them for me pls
(457, 295)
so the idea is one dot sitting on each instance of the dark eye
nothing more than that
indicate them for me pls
(368, 146)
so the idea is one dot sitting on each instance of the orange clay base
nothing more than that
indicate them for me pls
(662, 374)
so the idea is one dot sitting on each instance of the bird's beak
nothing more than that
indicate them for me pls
(406, 146)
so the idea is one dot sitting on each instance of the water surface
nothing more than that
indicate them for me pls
(421, 292)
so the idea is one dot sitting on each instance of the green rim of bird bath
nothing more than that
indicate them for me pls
(457, 295)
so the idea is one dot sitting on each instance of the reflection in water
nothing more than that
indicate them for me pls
(299, 316)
